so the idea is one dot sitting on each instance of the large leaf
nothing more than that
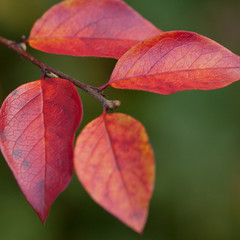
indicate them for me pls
(104, 28)
(114, 161)
(37, 125)
(175, 61)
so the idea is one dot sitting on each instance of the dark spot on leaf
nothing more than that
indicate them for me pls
(26, 164)
(14, 93)
(137, 215)
(40, 185)
(118, 167)
(16, 153)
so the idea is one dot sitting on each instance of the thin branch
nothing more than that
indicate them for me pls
(52, 72)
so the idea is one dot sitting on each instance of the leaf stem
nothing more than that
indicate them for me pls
(52, 72)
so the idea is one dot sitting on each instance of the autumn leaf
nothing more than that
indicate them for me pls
(103, 28)
(114, 161)
(176, 61)
(37, 125)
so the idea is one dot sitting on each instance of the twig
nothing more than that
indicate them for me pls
(52, 72)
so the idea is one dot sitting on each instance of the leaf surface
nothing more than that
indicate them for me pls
(104, 28)
(176, 61)
(114, 161)
(37, 125)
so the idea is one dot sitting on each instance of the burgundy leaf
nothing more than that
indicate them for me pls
(37, 125)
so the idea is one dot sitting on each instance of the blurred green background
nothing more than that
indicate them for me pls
(195, 136)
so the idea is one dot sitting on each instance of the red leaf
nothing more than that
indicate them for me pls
(114, 161)
(104, 28)
(37, 125)
(176, 61)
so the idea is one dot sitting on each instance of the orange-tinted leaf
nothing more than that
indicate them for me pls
(175, 61)
(114, 161)
(104, 28)
(37, 125)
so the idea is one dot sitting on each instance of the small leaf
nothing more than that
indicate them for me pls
(114, 161)
(176, 61)
(103, 28)
(37, 125)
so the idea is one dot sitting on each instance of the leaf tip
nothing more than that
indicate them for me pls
(42, 214)
(43, 220)
(139, 229)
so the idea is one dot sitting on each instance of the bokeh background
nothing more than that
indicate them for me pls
(195, 136)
